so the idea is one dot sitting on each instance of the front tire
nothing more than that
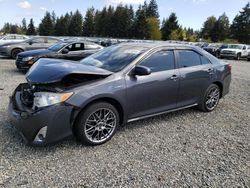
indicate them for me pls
(210, 99)
(238, 56)
(97, 124)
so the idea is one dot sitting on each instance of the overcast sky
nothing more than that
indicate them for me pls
(191, 13)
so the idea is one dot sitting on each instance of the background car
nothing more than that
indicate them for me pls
(70, 50)
(11, 49)
(119, 84)
(215, 48)
(235, 51)
(12, 38)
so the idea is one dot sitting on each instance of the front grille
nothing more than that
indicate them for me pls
(227, 52)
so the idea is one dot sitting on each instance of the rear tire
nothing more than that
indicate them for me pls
(97, 124)
(210, 99)
(14, 52)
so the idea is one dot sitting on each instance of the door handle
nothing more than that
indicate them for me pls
(174, 77)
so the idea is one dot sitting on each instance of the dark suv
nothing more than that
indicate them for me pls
(215, 48)
(119, 84)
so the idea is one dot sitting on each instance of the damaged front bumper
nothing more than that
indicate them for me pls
(44, 126)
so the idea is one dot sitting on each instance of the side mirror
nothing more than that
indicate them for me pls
(65, 51)
(141, 71)
(30, 42)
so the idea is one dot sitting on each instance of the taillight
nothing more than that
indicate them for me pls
(229, 67)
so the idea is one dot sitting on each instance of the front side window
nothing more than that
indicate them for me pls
(58, 46)
(188, 58)
(160, 61)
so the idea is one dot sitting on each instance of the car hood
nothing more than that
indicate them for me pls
(46, 71)
(33, 53)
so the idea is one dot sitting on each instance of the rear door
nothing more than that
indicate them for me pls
(196, 73)
(156, 92)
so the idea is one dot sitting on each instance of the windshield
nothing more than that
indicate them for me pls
(235, 46)
(114, 58)
(58, 46)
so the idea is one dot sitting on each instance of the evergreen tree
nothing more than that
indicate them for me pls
(76, 24)
(208, 27)
(152, 9)
(131, 15)
(24, 26)
(31, 28)
(221, 29)
(6, 28)
(46, 27)
(88, 24)
(240, 28)
(121, 22)
(169, 25)
(141, 27)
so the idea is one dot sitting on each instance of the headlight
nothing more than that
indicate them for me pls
(27, 58)
(42, 99)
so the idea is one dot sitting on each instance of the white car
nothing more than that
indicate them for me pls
(12, 38)
(235, 51)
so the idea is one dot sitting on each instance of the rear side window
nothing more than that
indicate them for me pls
(205, 61)
(75, 47)
(160, 61)
(188, 58)
(38, 40)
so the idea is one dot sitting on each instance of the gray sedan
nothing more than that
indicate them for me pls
(119, 84)
(13, 48)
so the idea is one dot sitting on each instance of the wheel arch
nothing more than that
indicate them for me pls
(220, 85)
(110, 100)
(16, 48)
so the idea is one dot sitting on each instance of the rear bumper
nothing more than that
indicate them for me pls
(46, 126)
(226, 85)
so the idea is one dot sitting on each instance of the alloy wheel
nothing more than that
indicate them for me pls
(100, 125)
(212, 98)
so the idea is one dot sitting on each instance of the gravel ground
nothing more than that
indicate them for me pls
(181, 149)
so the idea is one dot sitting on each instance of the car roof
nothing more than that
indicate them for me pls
(152, 45)
(77, 41)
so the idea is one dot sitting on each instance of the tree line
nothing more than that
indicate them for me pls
(123, 21)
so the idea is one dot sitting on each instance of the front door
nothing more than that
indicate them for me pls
(156, 92)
